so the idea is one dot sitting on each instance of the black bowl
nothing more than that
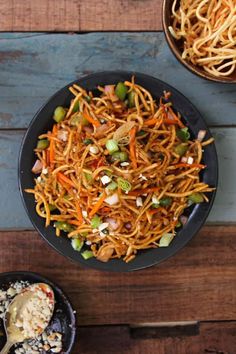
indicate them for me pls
(63, 319)
(43, 121)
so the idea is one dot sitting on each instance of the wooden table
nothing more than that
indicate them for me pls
(186, 305)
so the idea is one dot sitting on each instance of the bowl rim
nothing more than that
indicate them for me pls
(175, 50)
(61, 292)
(110, 266)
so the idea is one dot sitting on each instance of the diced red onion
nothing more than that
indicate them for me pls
(184, 159)
(62, 135)
(128, 226)
(88, 130)
(38, 166)
(170, 116)
(110, 91)
(109, 88)
(190, 160)
(101, 130)
(201, 135)
(113, 224)
(112, 199)
(183, 219)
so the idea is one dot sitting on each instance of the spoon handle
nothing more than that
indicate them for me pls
(6, 347)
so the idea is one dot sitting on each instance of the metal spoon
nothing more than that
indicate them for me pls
(14, 312)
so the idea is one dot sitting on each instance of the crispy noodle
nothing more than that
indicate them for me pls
(73, 167)
(208, 31)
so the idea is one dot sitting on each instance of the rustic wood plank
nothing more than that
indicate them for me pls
(13, 216)
(34, 66)
(198, 284)
(78, 15)
(213, 338)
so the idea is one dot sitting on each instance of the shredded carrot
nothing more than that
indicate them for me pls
(52, 147)
(176, 118)
(97, 206)
(51, 153)
(144, 191)
(151, 121)
(65, 185)
(101, 162)
(65, 179)
(74, 222)
(79, 213)
(133, 147)
(170, 121)
(197, 165)
(48, 157)
(156, 210)
(105, 209)
(91, 120)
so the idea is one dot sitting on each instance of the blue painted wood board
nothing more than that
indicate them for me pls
(35, 65)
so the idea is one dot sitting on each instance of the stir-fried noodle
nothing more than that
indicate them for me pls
(208, 31)
(117, 171)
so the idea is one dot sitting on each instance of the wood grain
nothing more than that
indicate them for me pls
(34, 66)
(78, 15)
(198, 284)
(13, 216)
(212, 338)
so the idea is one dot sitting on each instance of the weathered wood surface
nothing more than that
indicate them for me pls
(198, 284)
(13, 216)
(211, 338)
(80, 15)
(34, 66)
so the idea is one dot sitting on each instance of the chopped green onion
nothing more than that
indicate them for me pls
(84, 121)
(66, 196)
(52, 207)
(166, 240)
(121, 91)
(141, 133)
(79, 118)
(77, 244)
(59, 114)
(181, 149)
(105, 231)
(88, 98)
(124, 184)
(167, 201)
(42, 144)
(108, 173)
(179, 224)
(89, 177)
(76, 107)
(183, 134)
(75, 120)
(87, 254)
(112, 186)
(131, 101)
(87, 141)
(95, 222)
(196, 198)
(64, 226)
(120, 155)
(112, 146)
(155, 205)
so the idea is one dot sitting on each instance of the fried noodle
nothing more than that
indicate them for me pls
(160, 179)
